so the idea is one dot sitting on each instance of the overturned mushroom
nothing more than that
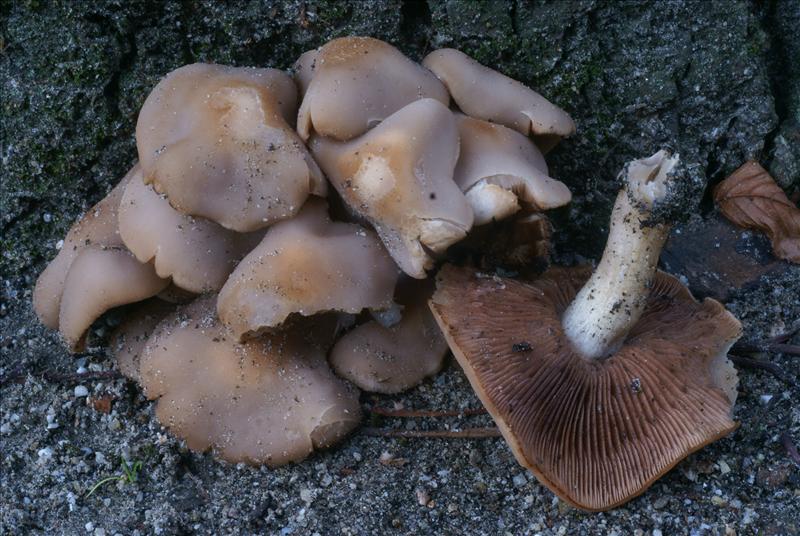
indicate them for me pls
(196, 253)
(399, 176)
(307, 265)
(484, 93)
(602, 389)
(499, 167)
(390, 359)
(356, 83)
(269, 400)
(218, 142)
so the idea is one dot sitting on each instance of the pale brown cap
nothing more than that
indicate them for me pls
(97, 228)
(218, 142)
(499, 169)
(98, 280)
(196, 253)
(128, 340)
(271, 400)
(307, 265)
(391, 359)
(304, 69)
(399, 176)
(484, 93)
(597, 433)
(357, 82)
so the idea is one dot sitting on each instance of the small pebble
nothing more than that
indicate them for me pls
(660, 503)
(520, 480)
(80, 391)
(423, 498)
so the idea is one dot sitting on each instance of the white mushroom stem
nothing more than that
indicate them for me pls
(611, 302)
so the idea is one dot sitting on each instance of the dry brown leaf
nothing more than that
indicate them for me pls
(751, 198)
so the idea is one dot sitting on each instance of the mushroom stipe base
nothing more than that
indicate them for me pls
(597, 433)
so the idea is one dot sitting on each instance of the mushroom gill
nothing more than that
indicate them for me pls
(356, 83)
(269, 400)
(196, 253)
(217, 141)
(399, 176)
(307, 265)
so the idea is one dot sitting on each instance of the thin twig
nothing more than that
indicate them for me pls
(18, 376)
(791, 450)
(772, 368)
(788, 349)
(466, 433)
(774, 344)
(386, 412)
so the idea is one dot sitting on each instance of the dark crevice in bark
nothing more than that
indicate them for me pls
(779, 70)
(415, 26)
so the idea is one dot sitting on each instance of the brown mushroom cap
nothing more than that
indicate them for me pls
(270, 400)
(217, 141)
(596, 432)
(498, 167)
(358, 82)
(484, 93)
(307, 265)
(392, 359)
(99, 280)
(399, 176)
(97, 228)
(129, 339)
(196, 253)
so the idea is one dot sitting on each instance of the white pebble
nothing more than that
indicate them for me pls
(81, 390)
(45, 454)
(520, 480)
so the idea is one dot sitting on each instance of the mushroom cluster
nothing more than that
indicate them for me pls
(254, 287)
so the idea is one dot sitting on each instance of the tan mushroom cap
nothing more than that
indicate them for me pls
(270, 400)
(499, 167)
(399, 176)
(392, 359)
(129, 339)
(484, 93)
(97, 228)
(217, 141)
(596, 432)
(196, 253)
(98, 280)
(304, 69)
(307, 265)
(358, 82)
